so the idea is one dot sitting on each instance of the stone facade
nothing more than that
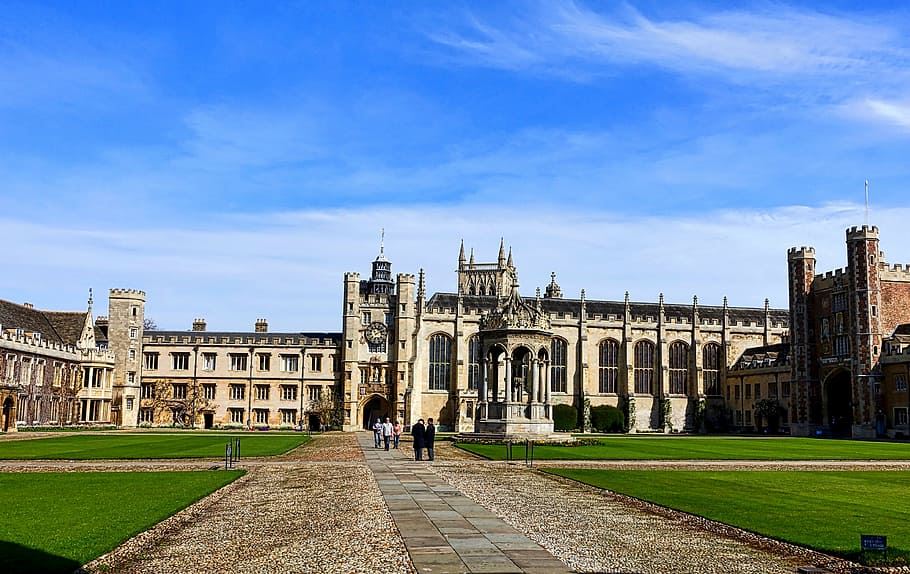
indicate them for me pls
(53, 370)
(433, 357)
(839, 322)
(237, 379)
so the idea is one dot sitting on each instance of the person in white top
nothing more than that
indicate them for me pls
(377, 432)
(387, 432)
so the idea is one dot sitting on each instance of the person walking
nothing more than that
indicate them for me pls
(377, 433)
(387, 432)
(396, 433)
(417, 431)
(429, 436)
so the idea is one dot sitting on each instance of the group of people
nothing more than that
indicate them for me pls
(386, 432)
(389, 433)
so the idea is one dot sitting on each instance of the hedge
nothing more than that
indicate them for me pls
(606, 418)
(565, 417)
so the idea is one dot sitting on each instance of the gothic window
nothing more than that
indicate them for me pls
(644, 368)
(679, 368)
(440, 362)
(609, 366)
(558, 379)
(710, 364)
(474, 373)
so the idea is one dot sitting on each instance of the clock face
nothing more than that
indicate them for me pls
(375, 332)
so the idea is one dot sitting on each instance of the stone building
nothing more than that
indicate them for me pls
(839, 323)
(237, 379)
(448, 357)
(54, 370)
(758, 392)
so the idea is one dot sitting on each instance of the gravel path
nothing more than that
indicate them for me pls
(598, 531)
(304, 515)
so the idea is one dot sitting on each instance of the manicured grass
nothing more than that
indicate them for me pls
(706, 448)
(146, 445)
(55, 522)
(824, 510)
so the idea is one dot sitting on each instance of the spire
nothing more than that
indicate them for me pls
(510, 264)
(382, 241)
(471, 261)
(660, 302)
(461, 258)
(725, 302)
(502, 252)
(91, 300)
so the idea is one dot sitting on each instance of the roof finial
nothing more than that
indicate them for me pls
(725, 301)
(471, 261)
(382, 241)
(90, 298)
(509, 263)
(461, 254)
(502, 252)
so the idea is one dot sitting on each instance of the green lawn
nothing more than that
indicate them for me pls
(55, 522)
(825, 510)
(706, 448)
(146, 445)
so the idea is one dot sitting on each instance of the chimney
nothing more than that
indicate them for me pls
(262, 326)
(28, 305)
(198, 324)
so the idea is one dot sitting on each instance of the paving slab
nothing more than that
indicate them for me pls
(443, 530)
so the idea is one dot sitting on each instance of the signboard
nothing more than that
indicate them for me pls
(873, 542)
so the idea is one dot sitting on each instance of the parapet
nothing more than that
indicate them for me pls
(127, 294)
(351, 276)
(801, 253)
(862, 232)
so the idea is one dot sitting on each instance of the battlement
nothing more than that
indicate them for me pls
(31, 341)
(407, 277)
(862, 232)
(127, 294)
(896, 272)
(842, 272)
(351, 276)
(802, 252)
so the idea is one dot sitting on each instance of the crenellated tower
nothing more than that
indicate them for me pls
(801, 274)
(126, 318)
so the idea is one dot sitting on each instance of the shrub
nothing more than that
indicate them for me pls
(565, 417)
(607, 418)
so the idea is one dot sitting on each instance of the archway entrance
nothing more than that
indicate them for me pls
(839, 403)
(7, 412)
(377, 407)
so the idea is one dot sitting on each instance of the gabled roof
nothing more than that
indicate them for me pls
(58, 326)
(764, 357)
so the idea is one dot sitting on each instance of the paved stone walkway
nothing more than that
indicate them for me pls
(445, 531)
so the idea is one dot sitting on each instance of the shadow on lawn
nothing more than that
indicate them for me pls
(18, 559)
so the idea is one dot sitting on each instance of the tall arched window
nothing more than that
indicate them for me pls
(644, 368)
(710, 365)
(474, 362)
(679, 368)
(609, 366)
(440, 362)
(558, 380)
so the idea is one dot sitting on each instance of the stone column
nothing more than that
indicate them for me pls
(484, 380)
(507, 388)
(535, 381)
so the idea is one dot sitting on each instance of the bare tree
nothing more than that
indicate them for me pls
(149, 324)
(328, 410)
(182, 406)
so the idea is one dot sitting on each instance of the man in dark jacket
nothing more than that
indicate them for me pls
(418, 431)
(429, 435)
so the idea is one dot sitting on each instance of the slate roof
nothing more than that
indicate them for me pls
(764, 357)
(562, 306)
(56, 326)
(903, 329)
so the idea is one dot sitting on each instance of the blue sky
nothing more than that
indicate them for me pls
(235, 160)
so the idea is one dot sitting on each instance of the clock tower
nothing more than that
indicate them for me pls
(378, 316)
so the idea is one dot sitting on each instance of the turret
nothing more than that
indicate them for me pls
(126, 318)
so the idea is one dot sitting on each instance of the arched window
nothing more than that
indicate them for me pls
(609, 366)
(710, 365)
(558, 380)
(644, 368)
(474, 364)
(440, 362)
(679, 368)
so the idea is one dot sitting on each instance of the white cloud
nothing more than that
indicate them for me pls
(762, 43)
(288, 267)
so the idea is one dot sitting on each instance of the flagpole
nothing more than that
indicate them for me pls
(867, 202)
